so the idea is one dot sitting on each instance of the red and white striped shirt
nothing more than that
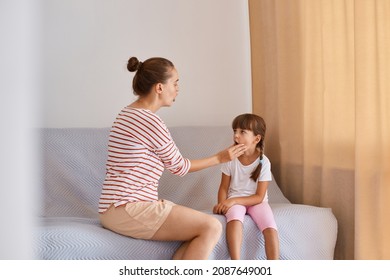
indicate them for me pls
(139, 148)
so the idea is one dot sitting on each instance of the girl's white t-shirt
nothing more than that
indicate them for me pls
(241, 183)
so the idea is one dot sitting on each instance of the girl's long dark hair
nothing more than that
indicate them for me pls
(256, 124)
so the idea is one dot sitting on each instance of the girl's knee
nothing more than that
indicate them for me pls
(270, 230)
(270, 233)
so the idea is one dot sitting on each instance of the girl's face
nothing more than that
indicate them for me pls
(243, 136)
(170, 89)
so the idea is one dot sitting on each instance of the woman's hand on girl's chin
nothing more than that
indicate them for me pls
(231, 153)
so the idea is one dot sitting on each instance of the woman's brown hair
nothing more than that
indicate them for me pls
(256, 124)
(148, 73)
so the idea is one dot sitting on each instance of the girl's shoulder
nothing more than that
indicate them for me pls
(265, 159)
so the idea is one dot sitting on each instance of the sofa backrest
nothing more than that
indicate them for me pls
(73, 169)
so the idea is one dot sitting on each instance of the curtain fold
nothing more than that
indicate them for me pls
(372, 55)
(320, 72)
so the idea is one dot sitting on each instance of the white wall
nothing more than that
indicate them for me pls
(87, 44)
(19, 89)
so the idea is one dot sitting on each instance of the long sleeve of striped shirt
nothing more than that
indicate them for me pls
(140, 147)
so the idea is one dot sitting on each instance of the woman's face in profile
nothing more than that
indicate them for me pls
(171, 88)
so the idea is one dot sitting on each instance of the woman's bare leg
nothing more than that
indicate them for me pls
(180, 251)
(234, 238)
(271, 240)
(200, 231)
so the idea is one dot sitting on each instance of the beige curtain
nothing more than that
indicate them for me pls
(321, 80)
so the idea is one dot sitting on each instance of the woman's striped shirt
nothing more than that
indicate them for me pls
(139, 148)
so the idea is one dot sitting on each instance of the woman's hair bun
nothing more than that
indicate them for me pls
(133, 64)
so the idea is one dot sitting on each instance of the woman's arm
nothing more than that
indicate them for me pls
(223, 156)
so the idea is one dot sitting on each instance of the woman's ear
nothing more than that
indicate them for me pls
(159, 87)
(258, 138)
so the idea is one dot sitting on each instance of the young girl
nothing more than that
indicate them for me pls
(243, 188)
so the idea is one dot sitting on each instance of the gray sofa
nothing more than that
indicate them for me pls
(73, 168)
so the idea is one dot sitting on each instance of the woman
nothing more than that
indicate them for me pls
(140, 147)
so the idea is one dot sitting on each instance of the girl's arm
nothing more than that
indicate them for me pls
(223, 188)
(222, 193)
(256, 198)
(223, 156)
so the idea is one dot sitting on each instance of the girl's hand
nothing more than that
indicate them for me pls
(217, 209)
(231, 153)
(223, 207)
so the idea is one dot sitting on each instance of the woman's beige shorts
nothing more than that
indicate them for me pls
(139, 219)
